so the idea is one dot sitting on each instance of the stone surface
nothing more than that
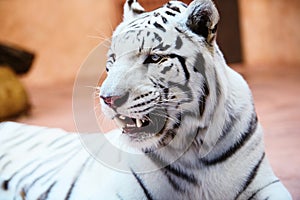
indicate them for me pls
(13, 97)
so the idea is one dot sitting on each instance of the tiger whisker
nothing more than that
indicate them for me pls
(103, 39)
(165, 116)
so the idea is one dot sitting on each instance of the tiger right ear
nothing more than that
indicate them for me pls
(202, 19)
(132, 8)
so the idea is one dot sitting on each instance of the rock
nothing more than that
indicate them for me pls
(13, 97)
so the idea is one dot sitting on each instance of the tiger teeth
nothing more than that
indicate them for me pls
(122, 117)
(121, 122)
(130, 125)
(139, 123)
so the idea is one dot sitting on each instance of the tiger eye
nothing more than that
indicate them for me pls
(153, 58)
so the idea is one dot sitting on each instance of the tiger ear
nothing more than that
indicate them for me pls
(202, 19)
(132, 8)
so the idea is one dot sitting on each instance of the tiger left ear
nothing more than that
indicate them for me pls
(203, 18)
(132, 8)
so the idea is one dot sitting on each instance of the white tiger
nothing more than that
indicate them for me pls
(176, 102)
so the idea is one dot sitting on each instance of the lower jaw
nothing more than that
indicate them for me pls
(151, 142)
(142, 136)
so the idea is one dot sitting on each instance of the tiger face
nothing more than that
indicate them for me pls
(157, 70)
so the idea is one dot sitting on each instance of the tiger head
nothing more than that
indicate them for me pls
(158, 67)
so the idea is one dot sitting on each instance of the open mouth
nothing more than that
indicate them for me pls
(131, 125)
(150, 123)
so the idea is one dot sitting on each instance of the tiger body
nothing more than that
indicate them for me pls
(166, 72)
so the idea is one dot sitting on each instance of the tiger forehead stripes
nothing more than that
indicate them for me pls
(189, 118)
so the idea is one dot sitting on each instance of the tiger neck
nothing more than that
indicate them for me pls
(199, 134)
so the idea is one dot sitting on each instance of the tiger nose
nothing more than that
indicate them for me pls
(115, 101)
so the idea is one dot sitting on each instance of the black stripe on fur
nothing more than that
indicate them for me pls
(172, 170)
(119, 196)
(236, 146)
(142, 185)
(228, 126)
(130, 2)
(5, 165)
(174, 8)
(5, 141)
(178, 43)
(160, 27)
(251, 176)
(45, 195)
(28, 188)
(138, 11)
(2, 156)
(183, 64)
(170, 13)
(175, 184)
(259, 190)
(164, 19)
(53, 142)
(22, 141)
(5, 184)
(161, 47)
(202, 99)
(80, 171)
(37, 167)
(143, 103)
(179, 173)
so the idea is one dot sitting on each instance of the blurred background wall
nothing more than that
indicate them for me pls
(61, 33)
(270, 31)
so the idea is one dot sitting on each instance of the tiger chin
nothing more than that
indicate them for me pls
(168, 81)
(175, 100)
